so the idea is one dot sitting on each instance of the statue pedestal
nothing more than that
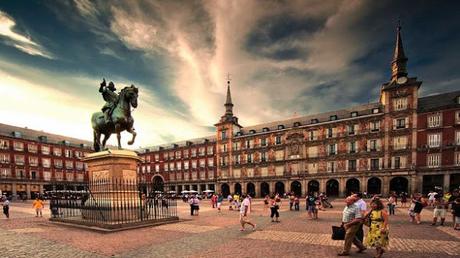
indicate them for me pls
(113, 187)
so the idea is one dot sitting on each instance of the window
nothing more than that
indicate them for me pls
(201, 150)
(185, 154)
(352, 129)
(46, 163)
(224, 134)
(400, 123)
(352, 165)
(330, 133)
(33, 174)
(375, 110)
(223, 161)
(434, 160)
(265, 129)
(314, 121)
(400, 143)
(4, 144)
(58, 163)
(4, 158)
(32, 148)
(373, 145)
(434, 140)
(237, 159)
(263, 157)
(193, 153)
(171, 155)
(210, 150)
(399, 104)
(397, 162)
(186, 164)
(312, 168)
(33, 161)
(375, 126)
(312, 135)
(331, 166)
(263, 142)
(193, 163)
(45, 149)
(236, 146)
(280, 127)
(202, 163)
(68, 153)
(375, 164)
(457, 117)
(178, 154)
(171, 166)
(19, 159)
(278, 140)
(354, 114)
(69, 164)
(457, 138)
(5, 172)
(57, 152)
(79, 165)
(332, 149)
(457, 158)
(332, 118)
(249, 158)
(178, 165)
(18, 146)
(352, 147)
(313, 152)
(434, 120)
(296, 124)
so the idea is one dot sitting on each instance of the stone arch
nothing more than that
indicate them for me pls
(313, 186)
(264, 189)
(158, 183)
(374, 185)
(238, 189)
(279, 188)
(251, 189)
(296, 188)
(225, 189)
(352, 186)
(399, 184)
(332, 187)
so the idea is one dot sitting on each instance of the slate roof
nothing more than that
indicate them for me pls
(168, 146)
(438, 102)
(33, 135)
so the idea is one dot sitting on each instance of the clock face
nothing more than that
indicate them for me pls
(401, 80)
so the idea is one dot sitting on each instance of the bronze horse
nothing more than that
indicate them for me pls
(121, 119)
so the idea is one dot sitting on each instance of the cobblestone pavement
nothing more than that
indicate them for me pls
(217, 235)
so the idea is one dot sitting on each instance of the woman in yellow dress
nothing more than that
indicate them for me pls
(377, 237)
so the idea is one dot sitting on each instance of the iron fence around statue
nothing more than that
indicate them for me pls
(113, 202)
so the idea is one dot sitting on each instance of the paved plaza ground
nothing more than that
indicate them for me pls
(214, 235)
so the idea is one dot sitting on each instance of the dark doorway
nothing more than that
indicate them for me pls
(264, 189)
(432, 182)
(454, 182)
(296, 188)
(332, 187)
(279, 188)
(374, 185)
(238, 189)
(313, 186)
(352, 186)
(399, 184)
(225, 190)
(157, 184)
(251, 189)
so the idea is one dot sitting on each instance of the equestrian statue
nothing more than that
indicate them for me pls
(116, 114)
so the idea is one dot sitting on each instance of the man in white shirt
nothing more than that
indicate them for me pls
(244, 213)
(363, 208)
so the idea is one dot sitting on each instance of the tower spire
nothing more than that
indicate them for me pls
(228, 103)
(399, 63)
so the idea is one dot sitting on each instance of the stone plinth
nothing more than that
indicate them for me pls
(114, 194)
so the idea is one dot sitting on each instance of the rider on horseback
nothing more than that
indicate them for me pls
(110, 97)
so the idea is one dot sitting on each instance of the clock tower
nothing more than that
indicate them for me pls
(399, 101)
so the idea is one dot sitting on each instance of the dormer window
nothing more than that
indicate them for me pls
(354, 114)
(17, 134)
(457, 99)
(375, 110)
(280, 127)
(239, 134)
(265, 129)
(66, 143)
(314, 121)
(252, 131)
(332, 118)
(296, 124)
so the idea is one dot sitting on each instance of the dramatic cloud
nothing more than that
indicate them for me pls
(17, 40)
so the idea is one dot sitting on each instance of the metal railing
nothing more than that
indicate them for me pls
(113, 203)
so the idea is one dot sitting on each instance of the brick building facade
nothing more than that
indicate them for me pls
(377, 147)
(32, 162)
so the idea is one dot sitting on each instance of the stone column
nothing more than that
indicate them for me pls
(14, 191)
(446, 183)
(257, 189)
(304, 187)
(385, 186)
(364, 184)
(419, 184)
(28, 191)
(322, 185)
(272, 186)
(342, 187)
(41, 189)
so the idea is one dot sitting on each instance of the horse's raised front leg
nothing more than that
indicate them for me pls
(118, 131)
(104, 141)
(133, 132)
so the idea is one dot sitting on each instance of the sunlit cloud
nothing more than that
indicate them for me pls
(21, 42)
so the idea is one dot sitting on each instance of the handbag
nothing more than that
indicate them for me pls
(338, 233)
(367, 219)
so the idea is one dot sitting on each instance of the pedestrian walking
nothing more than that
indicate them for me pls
(311, 206)
(440, 207)
(38, 206)
(297, 203)
(391, 204)
(220, 199)
(416, 208)
(377, 237)
(363, 209)
(196, 204)
(6, 207)
(266, 203)
(456, 213)
(274, 209)
(403, 200)
(244, 213)
(351, 219)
